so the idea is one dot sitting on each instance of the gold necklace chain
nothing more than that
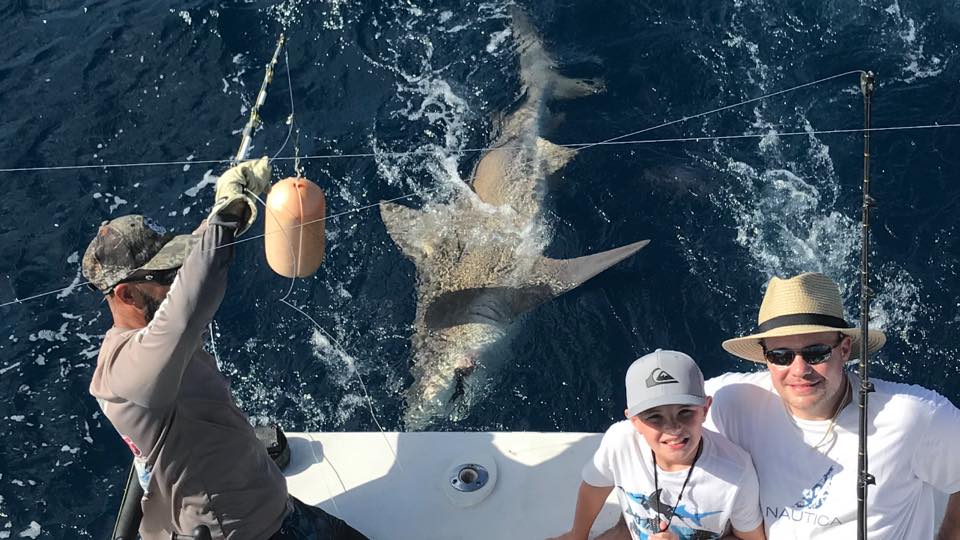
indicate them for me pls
(833, 420)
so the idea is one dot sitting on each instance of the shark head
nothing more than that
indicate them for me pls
(451, 373)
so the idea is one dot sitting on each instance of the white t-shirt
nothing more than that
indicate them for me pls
(722, 489)
(912, 448)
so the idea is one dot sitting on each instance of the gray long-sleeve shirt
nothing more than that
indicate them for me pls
(196, 454)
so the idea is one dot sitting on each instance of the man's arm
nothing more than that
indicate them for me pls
(590, 501)
(935, 459)
(755, 534)
(148, 367)
(950, 528)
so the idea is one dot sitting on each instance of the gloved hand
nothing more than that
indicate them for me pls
(232, 199)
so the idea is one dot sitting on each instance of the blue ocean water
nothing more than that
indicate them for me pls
(109, 82)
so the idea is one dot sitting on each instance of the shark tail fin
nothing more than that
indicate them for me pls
(567, 274)
(538, 69)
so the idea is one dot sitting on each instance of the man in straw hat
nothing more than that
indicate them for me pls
(197, 457)
(796, 420)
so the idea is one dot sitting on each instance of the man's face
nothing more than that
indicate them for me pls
(810, 392)
(673, 432)
(153, 295)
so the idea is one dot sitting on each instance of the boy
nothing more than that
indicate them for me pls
(674, 480)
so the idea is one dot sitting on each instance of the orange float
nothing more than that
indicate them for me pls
(295, 236)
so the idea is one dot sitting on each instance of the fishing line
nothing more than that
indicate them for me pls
(726, 107)
(291, 120)
(608, 142)
(340, 349)
(318, 461)
(340, 214)
(575, 146)
(286, 62)
(580, 146)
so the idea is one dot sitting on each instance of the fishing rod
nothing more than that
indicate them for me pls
(254, 120)
(131, 512)
(864, 478)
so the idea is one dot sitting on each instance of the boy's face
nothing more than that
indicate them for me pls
(672, 431)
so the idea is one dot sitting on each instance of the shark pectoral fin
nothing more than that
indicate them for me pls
(402, 224)
(564, 275)
(554, 156)
(570, 88)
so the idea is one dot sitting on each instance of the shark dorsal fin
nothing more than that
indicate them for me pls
(566, 274)
(491, 171)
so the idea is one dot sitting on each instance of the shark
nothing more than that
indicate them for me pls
(479, 253)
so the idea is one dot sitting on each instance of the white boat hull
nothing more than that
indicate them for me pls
(535, 477)
(398, 486)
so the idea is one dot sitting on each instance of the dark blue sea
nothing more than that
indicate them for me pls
(123, 82)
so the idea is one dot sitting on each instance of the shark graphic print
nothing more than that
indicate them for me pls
(646, 511)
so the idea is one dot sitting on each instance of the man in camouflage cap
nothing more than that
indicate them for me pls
(197, 457)
(133, 250)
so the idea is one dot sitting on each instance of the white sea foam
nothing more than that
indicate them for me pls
(9, 367)
(209, 179)
(32, 531)
(289, 12)
(50, 335)
(916, 65)
(786, 208)
(497, 39)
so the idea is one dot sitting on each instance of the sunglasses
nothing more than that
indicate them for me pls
(812, 354)
(160, 277)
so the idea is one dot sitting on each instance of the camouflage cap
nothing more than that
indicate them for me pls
(129, 244)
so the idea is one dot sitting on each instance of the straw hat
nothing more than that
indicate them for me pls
(804, 304)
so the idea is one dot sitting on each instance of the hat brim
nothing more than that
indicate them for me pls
(681, 399)
(172, 254)
(749, 348)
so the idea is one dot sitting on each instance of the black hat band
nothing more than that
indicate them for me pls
(803, 318)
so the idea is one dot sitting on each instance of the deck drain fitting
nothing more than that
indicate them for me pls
(469, 477)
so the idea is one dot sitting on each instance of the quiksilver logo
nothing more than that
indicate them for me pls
(658, 377)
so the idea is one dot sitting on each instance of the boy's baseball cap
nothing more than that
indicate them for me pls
(663, 378)
(130, 244)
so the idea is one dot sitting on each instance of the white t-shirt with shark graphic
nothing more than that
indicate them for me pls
(722, 490)
(812, 493)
